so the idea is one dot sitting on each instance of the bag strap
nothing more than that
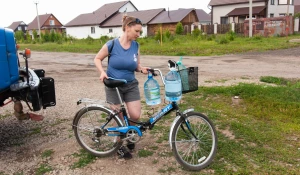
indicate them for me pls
(111, 48)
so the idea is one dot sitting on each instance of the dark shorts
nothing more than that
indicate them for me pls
(129, 92)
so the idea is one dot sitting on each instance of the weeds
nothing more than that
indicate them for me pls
(265, 124)
(44, 168)
(84, 159)
(145, 153)
(47, 153)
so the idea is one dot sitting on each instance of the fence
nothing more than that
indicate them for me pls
(243, 28)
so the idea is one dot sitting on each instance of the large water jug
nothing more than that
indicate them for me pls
(173, 86)
(183, 74)
(152, 91)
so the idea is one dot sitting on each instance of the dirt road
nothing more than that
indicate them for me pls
(22, 143)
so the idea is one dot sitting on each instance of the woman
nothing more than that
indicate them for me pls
(123, 62)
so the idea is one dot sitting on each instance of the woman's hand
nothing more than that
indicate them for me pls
(144, 70)
(103, 76)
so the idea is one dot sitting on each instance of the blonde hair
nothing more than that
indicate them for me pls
(129, 21)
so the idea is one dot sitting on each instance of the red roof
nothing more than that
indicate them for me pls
(145, 16)
(226, 2)
(14, 25)
(99, 16)
(42, 18)
(173, 16)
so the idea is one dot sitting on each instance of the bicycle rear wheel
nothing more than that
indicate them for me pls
(194, 141)
(89, 132)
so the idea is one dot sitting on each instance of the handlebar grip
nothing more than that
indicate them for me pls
(152, 72)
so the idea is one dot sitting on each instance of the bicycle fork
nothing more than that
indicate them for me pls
(186, 122)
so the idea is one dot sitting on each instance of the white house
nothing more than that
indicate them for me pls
(280, 8)
(228, 11)
(88, 24)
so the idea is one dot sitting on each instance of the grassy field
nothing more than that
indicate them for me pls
(179, 45)
(258, 130)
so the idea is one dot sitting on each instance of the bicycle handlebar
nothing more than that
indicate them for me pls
(155, 74)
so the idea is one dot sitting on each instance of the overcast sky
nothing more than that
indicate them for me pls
(66, 10)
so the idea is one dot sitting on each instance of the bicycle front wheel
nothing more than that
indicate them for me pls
(89, 125)
(194, 141)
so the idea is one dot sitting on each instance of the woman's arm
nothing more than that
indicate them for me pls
(140, 68)
(103, 52)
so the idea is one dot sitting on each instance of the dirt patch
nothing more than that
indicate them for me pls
(22, 144)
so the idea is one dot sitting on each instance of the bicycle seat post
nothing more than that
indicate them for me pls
(119, 96)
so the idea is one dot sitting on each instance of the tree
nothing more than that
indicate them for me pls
(19, 35)
(34, 33)
(179, 28)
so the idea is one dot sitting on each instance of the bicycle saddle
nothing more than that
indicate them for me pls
(112, 82)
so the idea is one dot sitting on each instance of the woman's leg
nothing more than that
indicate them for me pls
(134, 109)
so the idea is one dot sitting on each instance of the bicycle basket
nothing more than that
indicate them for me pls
(189, 79)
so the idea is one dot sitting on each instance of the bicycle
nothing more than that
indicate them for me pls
(100, 131)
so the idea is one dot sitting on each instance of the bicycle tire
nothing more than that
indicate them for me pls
(85, 128)
(194, 154)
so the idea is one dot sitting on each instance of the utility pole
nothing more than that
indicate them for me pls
(38, 19)
(288, 8)
(250, 18)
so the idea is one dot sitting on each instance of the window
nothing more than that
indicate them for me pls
(92, 30)
(110, 30)
(19, 28)
(272, 2)
(285, 2)
(281, 14)
(51, 22)
(25, 27)
(271, 15)
(224, 20)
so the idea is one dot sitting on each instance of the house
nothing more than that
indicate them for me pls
(113, 27)
(168, 20)
(89, 24)
(278, 8)
(203, 17)
(228, 11)
(296, 6)
(18, 26)
(48, 23)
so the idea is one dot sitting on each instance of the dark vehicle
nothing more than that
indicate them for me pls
(22, 83)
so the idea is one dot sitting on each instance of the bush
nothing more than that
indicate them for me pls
(196, 32)
(223, 40)
(179, 28)
(168, 33)
(231, 35)
(19, 35)
(52, 36)
(158, 36)
(28, 38)
(89, 39)
(297, 15)
(46, 36)
(35, 35)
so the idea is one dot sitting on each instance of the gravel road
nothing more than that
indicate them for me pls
(22, 143)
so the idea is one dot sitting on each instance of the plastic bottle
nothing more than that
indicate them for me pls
(152, 91)
(173, 85)
(184, 75)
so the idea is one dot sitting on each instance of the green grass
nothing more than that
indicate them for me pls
(84, 159)
(145, 153)
(184, 45)
(265, 124)
(43, 168)
(47, 153)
